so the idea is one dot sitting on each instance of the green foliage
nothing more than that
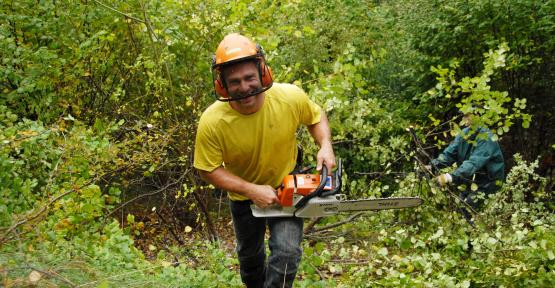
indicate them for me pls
(439, 33)
(365, 134)
(49, 179)
(433, 245)
(473, 96)
(99, 102)
(53, 178)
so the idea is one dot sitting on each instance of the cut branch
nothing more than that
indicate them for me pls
(337, 224)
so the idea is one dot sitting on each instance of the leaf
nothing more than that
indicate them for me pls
(383, 251)
(34, 277)
(319, 247)
(69, 118)
(166, 264)
(491, 241)
(308, 251)
(465, 284)
(317, 261)
(474, 187)
(332, 268)
(130, 218)
(406, 244)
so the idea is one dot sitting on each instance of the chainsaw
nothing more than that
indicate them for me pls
(312, 195)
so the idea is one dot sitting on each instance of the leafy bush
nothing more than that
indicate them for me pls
(433, 245)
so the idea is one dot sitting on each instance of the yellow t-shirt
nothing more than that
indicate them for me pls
(261, 147)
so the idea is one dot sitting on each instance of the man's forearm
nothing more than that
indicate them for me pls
(261, 195)
(226, 180)
(322, 135)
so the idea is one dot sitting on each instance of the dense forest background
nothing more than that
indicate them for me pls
(99, 102)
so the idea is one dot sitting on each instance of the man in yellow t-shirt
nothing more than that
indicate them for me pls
(246, 144)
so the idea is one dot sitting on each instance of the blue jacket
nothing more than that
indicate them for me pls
(481, 163)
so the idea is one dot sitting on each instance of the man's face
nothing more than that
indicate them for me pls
(243, 79)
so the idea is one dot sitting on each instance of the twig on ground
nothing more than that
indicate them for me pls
(311, 224)
(320, 273)
(327, 227)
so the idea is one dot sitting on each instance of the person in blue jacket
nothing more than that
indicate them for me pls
(479, 160)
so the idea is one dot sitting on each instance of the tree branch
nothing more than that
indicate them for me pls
(118, 12)
(178, 181)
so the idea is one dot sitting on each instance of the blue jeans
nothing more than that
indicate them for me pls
(286, 234)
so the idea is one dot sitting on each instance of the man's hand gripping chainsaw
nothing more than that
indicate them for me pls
(311, 195)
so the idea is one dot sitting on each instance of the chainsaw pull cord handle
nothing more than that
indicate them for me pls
(337, 186)
(317, 191)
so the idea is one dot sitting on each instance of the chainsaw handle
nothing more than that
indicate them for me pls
(317, 191)
(337, 187)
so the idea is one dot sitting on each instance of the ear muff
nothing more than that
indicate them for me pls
(265, 70)
(220, 89)
(266, 75)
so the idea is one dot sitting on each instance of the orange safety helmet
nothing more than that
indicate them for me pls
(236, 48)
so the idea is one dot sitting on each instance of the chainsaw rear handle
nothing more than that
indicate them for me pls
(337, 187)
(317, 191)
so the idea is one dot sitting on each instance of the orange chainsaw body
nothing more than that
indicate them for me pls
(300, 184)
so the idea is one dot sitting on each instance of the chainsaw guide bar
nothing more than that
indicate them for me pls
(330, 205)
